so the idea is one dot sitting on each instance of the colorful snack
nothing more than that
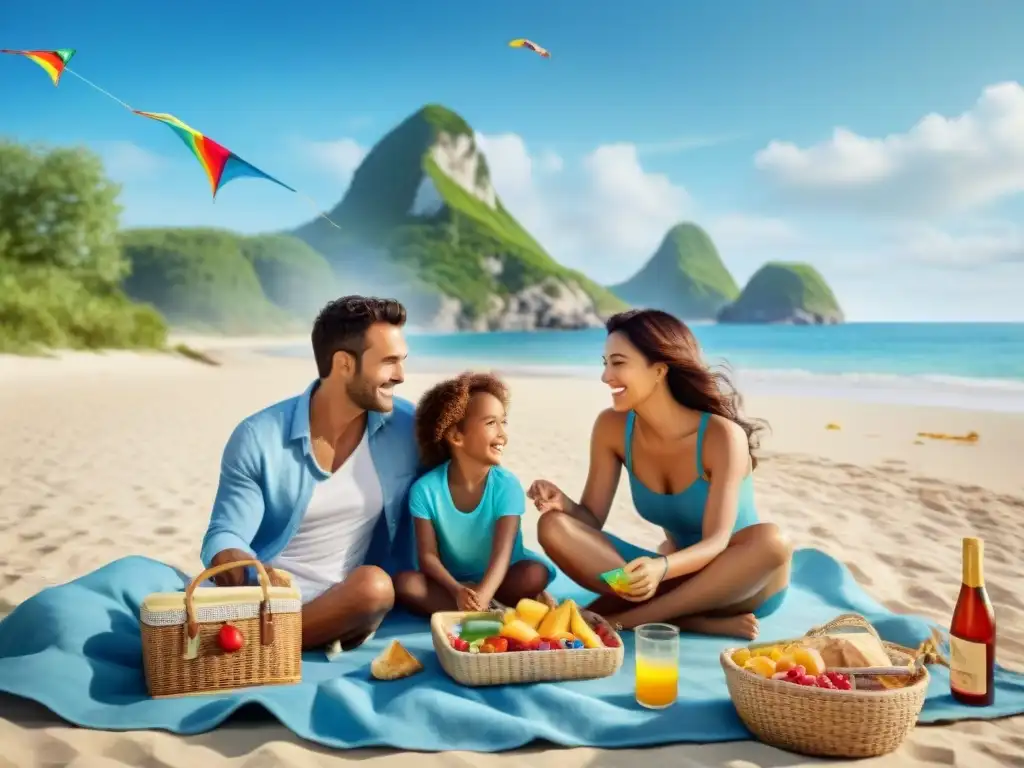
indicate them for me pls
(617, 579)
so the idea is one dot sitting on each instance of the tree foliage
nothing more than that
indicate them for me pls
(60, 262)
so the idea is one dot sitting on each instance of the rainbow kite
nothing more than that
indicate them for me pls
(221, 164)
(522, 42)
(53, 62)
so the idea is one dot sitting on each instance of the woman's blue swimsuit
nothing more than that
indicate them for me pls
(681, 515)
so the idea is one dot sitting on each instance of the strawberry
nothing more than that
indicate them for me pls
(807, 680)
(795, 673)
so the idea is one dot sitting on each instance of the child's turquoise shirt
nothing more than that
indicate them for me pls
(465, 539)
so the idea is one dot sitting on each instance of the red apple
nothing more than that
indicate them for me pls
(230, 638)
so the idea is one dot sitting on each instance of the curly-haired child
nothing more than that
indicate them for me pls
(467, 508)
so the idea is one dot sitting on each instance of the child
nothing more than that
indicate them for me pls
(466, 510)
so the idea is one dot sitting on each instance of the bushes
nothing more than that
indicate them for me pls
(60, 262)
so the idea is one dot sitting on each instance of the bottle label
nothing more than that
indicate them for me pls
(968, 666)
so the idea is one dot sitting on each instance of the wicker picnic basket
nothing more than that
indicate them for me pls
(824, 722)
(180, 648)
(476, 669)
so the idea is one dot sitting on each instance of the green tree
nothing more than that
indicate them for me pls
(60, 260)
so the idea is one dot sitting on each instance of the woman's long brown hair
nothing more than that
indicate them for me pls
(663, 338)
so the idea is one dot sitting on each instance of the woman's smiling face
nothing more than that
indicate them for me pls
(631, 378)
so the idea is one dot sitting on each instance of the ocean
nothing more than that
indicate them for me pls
(962, 365)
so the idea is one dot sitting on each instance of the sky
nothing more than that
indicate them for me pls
(880, 141)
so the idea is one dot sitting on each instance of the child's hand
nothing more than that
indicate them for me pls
(467, 599)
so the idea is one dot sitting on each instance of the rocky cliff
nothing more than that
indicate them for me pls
(781, 292)
(421, 221)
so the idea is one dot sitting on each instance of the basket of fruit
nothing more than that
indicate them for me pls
(526, 644)
(839, 691)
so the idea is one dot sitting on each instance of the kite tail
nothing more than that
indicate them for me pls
(316, 209)
(93, 85)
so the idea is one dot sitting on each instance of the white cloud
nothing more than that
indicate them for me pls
(993, 244)
(606, 214)
(941, 165)
(124, 160)
(340, 157)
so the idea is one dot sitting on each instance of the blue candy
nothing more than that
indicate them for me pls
(577, 643)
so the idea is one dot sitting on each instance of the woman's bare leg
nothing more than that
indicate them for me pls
(527, 578)
(753, 567)
(582, 552)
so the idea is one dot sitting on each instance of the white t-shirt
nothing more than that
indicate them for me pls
(335, 532)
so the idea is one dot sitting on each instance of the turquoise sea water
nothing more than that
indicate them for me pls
(975, 365)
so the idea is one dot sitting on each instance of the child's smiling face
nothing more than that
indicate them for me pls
(482, 435)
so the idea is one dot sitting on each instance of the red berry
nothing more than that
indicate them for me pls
(822, 681)
(611, 640)
(463, 645)
(230, 638)
(796, 672)
(806, 680)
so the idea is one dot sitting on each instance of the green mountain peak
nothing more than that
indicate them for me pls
(685, 276)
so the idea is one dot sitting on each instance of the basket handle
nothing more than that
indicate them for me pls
(266, 620)
(852, 620)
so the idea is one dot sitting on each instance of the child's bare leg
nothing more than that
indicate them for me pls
(527, 578)
(421, 594)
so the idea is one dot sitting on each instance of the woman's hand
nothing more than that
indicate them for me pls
(548, 497)
(645, 575)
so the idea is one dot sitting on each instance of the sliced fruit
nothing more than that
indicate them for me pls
(760, 665)
(531, 612)
(519, 631)
(556, 623)
(810, 659)
(784, 663)
(509, 615)
(741, 656)
(582, 630)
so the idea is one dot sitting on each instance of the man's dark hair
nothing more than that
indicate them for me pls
(341, 326)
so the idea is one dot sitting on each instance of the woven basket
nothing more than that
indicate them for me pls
(477, 669)
(824, 722)
(180, 649)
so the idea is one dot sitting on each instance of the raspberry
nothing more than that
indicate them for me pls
(806, 680)
(795, 673)
(823, 681)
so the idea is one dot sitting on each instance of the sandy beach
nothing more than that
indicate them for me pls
(107, 455)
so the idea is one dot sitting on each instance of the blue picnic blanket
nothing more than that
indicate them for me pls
(75, 649)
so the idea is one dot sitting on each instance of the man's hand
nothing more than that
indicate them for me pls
(236, 576)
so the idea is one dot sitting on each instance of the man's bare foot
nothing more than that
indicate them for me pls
(745, 625)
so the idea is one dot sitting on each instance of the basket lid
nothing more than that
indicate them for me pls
(158, 602)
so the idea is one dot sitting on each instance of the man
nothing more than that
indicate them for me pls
(316, 485)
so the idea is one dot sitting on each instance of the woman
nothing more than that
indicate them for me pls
(690, 457)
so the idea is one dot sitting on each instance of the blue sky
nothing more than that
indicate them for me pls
(724, 113)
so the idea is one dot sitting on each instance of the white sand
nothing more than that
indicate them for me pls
(124, 448)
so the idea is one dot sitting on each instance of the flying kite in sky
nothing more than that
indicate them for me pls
(221, 164)
(52, 61)
(524, 43)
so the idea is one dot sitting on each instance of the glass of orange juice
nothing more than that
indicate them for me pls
(657, 665)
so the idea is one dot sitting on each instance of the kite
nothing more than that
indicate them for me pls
(53, 62)
(524, 43)
(221, 164)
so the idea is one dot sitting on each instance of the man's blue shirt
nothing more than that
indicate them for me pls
(268, 473)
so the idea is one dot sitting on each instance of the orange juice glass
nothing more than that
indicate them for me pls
(657, 665)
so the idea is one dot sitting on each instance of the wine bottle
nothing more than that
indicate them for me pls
(972, 634)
